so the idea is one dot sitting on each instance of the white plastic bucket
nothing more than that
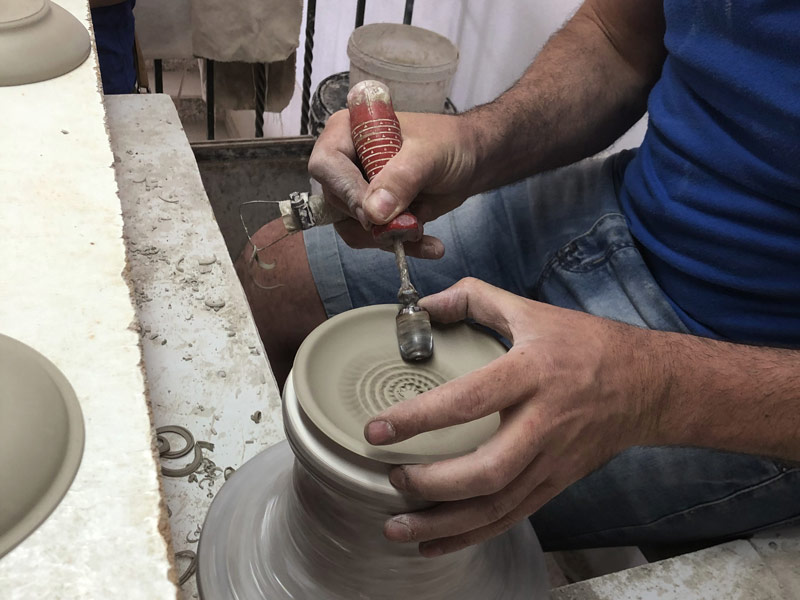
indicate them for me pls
(417, 64)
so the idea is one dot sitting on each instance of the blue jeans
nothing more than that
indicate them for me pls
(561, 238)
(114, 36)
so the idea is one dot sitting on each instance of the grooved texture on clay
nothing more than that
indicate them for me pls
(349, 369)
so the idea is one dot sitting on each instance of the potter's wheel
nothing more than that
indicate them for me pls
(41, 440)
(312, 527)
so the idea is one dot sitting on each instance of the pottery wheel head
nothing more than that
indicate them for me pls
(349, 369)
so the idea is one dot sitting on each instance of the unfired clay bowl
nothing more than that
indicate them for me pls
(39, 40)
(349, 369)
(41, 440)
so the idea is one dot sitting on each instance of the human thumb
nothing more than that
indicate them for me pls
(396, 186)
(381, 206)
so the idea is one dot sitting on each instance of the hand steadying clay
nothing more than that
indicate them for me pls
(573, 391)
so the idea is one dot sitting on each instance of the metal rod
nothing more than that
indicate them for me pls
(409, 12)
(158, 67)
(360, 12)
(210, 115)
(308, 57)
(261, 94)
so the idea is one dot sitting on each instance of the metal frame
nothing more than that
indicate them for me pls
(210, 113)
(311, 11)
(159, 75)
(260, 78)
(308, 59)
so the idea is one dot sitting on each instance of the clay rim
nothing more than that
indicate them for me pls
(319, 417)
(23, 19)
(73, 453)
(337, 467)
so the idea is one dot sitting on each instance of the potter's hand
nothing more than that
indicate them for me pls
(432, 170)
(573, 391)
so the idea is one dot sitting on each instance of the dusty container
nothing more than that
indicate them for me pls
(417, 64)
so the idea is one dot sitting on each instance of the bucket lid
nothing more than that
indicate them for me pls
(402, 52)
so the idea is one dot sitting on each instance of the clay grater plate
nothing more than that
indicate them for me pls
(349, 369)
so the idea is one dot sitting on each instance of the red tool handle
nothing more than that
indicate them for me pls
(376, 136)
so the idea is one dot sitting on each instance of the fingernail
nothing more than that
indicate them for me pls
(432, 249)
(362, 218)
(430, 550)
(399, 478)
(380, 204)
(379, 432)
(397, 530)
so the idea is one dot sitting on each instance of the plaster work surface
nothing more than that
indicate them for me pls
(63, 293)
(764, 568)
(205, 364)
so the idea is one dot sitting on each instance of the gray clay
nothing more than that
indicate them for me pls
(40, 39)
(41, 440)
(349, 369)
(304, 518)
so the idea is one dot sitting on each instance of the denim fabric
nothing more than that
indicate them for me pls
(671, 496)
(561, 238)
(113, 31)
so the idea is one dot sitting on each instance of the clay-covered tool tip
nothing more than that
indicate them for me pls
(414, 334)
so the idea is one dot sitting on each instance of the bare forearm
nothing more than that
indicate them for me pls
(727, 396)
(587, 86)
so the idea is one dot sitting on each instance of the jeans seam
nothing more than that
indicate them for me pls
(344, 279)
(727, 498)
(322, 249)
(465, 266)
(556, 259)
(612, 249)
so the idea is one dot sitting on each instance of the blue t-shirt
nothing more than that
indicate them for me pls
(713, 195)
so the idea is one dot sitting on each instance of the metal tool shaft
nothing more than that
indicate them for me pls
(407, 294)
(377, 139)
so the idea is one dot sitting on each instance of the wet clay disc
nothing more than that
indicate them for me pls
(349, 369)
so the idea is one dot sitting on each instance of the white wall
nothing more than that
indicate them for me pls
(497, 41)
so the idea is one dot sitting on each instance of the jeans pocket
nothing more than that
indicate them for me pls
(602, 273)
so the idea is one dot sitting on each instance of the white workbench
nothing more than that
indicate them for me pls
(766, 567)
(205, 364)
(62, 291)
